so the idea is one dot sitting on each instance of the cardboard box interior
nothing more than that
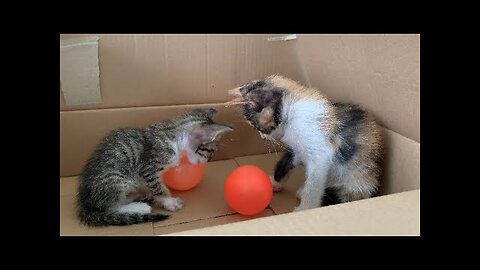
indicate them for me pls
(149, 78)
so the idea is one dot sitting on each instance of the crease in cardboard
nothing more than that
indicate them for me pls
(165, 55)
(193, 220)
(79, 71)
(207, 66)
(301, 63)
(147, 107)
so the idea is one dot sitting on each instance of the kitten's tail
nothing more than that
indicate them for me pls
(116, 218)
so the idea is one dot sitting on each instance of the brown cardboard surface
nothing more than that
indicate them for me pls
(205, 200)
(152, 70)
(285, 200)
(208, 222)
(396, 214)
(68, 186)
(380, 72)
(401, 164)
(81, 131)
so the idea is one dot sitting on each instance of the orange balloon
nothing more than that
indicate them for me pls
(185, 175)
(248, 190)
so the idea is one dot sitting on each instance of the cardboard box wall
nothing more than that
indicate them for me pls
(148, 78)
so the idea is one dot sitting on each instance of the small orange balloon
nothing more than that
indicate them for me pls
(185, 175)
(248, 190)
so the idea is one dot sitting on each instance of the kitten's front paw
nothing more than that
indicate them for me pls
(276, 186)
(172, 204)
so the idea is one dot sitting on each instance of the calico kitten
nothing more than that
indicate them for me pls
(339, 144)
(125, 169)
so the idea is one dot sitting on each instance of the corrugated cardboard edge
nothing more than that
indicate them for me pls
(396, 214)
(282, 38)
(69, 42)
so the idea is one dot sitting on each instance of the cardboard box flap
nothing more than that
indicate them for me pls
(396, 214)
(401, 165)
(79, 71)
(153, 70)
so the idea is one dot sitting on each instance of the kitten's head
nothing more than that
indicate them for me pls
(203, 134)
(262, 106)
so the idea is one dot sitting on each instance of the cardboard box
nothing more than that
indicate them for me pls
(149, 78)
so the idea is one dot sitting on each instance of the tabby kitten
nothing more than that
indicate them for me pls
(123, 173)
(339, 144)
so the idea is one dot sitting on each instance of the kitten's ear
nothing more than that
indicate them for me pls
(208, 132)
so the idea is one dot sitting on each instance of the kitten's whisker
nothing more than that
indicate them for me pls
(265, 143)
(273, 145)
(279, 145)
(283, 146)
(268, 142)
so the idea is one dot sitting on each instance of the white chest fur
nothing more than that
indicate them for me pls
(183, 144)
(303, 132)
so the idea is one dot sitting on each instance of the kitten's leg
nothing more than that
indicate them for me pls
(161, 194)
(357, 186)
(316, 177)
(162, 197)
(282, 170)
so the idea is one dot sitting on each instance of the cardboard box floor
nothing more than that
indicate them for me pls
(112, 81)
(396, 214)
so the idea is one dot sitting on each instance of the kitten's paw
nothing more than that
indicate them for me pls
(276, 186)
(172, 204)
